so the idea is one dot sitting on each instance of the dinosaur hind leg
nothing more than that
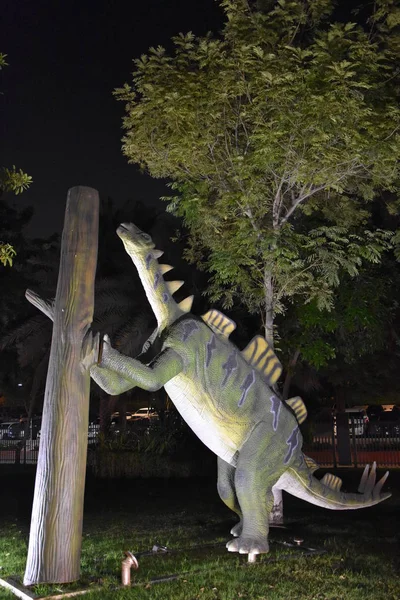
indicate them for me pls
(255, 477)
(227, 493)
(276, 516)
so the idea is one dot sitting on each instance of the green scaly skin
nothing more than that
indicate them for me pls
(228, 404)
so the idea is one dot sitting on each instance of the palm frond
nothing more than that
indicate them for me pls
(130, 337)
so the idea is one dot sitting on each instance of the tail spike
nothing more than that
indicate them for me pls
(377, 489)
(364, 479)
(158, 253)
(371, 480)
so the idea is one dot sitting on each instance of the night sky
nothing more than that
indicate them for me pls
(59, 120)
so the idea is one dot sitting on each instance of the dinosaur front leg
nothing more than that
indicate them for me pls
(117, 373)
(227, 493)
(110, 381)
(256, 473)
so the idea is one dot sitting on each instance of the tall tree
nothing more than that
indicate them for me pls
(276, 136)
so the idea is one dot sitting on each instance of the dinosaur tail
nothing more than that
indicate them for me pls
(326, 492)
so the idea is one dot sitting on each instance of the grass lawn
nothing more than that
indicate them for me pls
(361, 561)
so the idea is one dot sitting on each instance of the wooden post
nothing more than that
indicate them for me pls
(57, 513)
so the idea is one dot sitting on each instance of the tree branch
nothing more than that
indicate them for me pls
(299, 200)
(46, 306)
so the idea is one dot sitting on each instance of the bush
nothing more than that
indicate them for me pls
(162, 448)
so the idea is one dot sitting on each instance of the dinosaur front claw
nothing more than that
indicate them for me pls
(106, 343)
(107, 351)
(248, 545)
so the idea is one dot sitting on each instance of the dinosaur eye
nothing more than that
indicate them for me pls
(146, 237)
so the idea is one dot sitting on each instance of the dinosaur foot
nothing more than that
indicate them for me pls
(248, 545)
(236, 530)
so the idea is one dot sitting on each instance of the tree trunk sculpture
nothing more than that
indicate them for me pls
(56, 525)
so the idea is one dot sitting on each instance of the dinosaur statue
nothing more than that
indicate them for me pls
(226, 397)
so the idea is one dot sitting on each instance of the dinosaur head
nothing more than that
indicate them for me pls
(159, 292)
(135, 240)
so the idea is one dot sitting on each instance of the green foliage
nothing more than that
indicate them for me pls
(303, 265)
(11, 180)
(14, 180)
(286, 122)
(7, 253)
(3, 62)
(360, 327)
(168, 437)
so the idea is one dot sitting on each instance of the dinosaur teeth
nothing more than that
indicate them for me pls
(173, 286)
(186, 304)
(157, 253)
(165, 268)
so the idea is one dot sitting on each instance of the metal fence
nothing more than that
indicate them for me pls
(380, 444)
(19, 452)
